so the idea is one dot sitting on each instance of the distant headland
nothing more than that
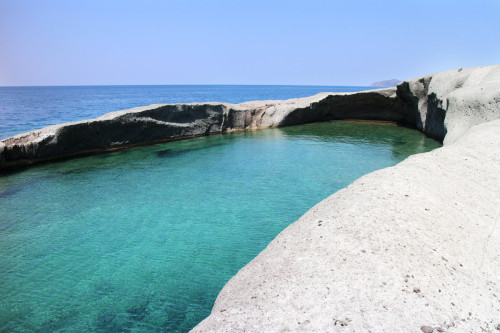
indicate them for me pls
(386, 83)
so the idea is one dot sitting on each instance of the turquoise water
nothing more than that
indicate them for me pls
(143, 240)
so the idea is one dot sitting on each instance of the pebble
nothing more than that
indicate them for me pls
(426, 329)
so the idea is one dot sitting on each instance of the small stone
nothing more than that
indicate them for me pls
(426, 329)
(340, 322)
(439, 329)
(497, 327)
(416, 290)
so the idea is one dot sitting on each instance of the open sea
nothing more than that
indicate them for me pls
(142, 240)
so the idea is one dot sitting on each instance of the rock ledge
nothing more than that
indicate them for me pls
(472, 94)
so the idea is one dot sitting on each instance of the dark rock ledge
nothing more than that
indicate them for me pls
(411, 103)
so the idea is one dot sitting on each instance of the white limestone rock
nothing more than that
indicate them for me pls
(404, 247)
(411, 248)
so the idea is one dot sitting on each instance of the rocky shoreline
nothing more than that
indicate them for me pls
(413, 248)
(165, 122)
(417, 103)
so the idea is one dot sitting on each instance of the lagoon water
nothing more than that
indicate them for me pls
(143, 240)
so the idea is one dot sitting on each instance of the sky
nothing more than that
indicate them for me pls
(308, 42)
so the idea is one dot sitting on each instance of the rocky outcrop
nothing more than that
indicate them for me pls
(409, 248)
(163, 122)
(379, 104)
(445, 105)
(423, 103)
(414, 245)
(2, 155)
(412, 248)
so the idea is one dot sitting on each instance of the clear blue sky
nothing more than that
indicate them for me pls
(310, 42)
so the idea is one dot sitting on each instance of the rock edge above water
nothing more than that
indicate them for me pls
(467, 97)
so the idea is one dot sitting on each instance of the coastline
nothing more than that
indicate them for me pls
(402, 248)
(412, 248)
(166, 122)
(398, 248)
(417, 103)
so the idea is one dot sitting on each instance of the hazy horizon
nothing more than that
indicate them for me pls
(180, 85)
(318, 43)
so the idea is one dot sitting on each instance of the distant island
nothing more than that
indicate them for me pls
(386, 83)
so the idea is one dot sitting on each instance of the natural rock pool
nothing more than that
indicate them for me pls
(144, 239)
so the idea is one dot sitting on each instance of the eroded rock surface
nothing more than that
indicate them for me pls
(425, 103)
(404, 247)
(445, 105)
(163, 122)
(411, 248)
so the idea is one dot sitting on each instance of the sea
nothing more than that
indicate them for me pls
(143, 240)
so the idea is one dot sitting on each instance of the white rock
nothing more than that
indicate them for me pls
(411, 246)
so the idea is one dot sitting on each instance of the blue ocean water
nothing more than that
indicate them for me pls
(142, 240)
(24, 109)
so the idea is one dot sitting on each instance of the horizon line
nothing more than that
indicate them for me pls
(189, 84)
